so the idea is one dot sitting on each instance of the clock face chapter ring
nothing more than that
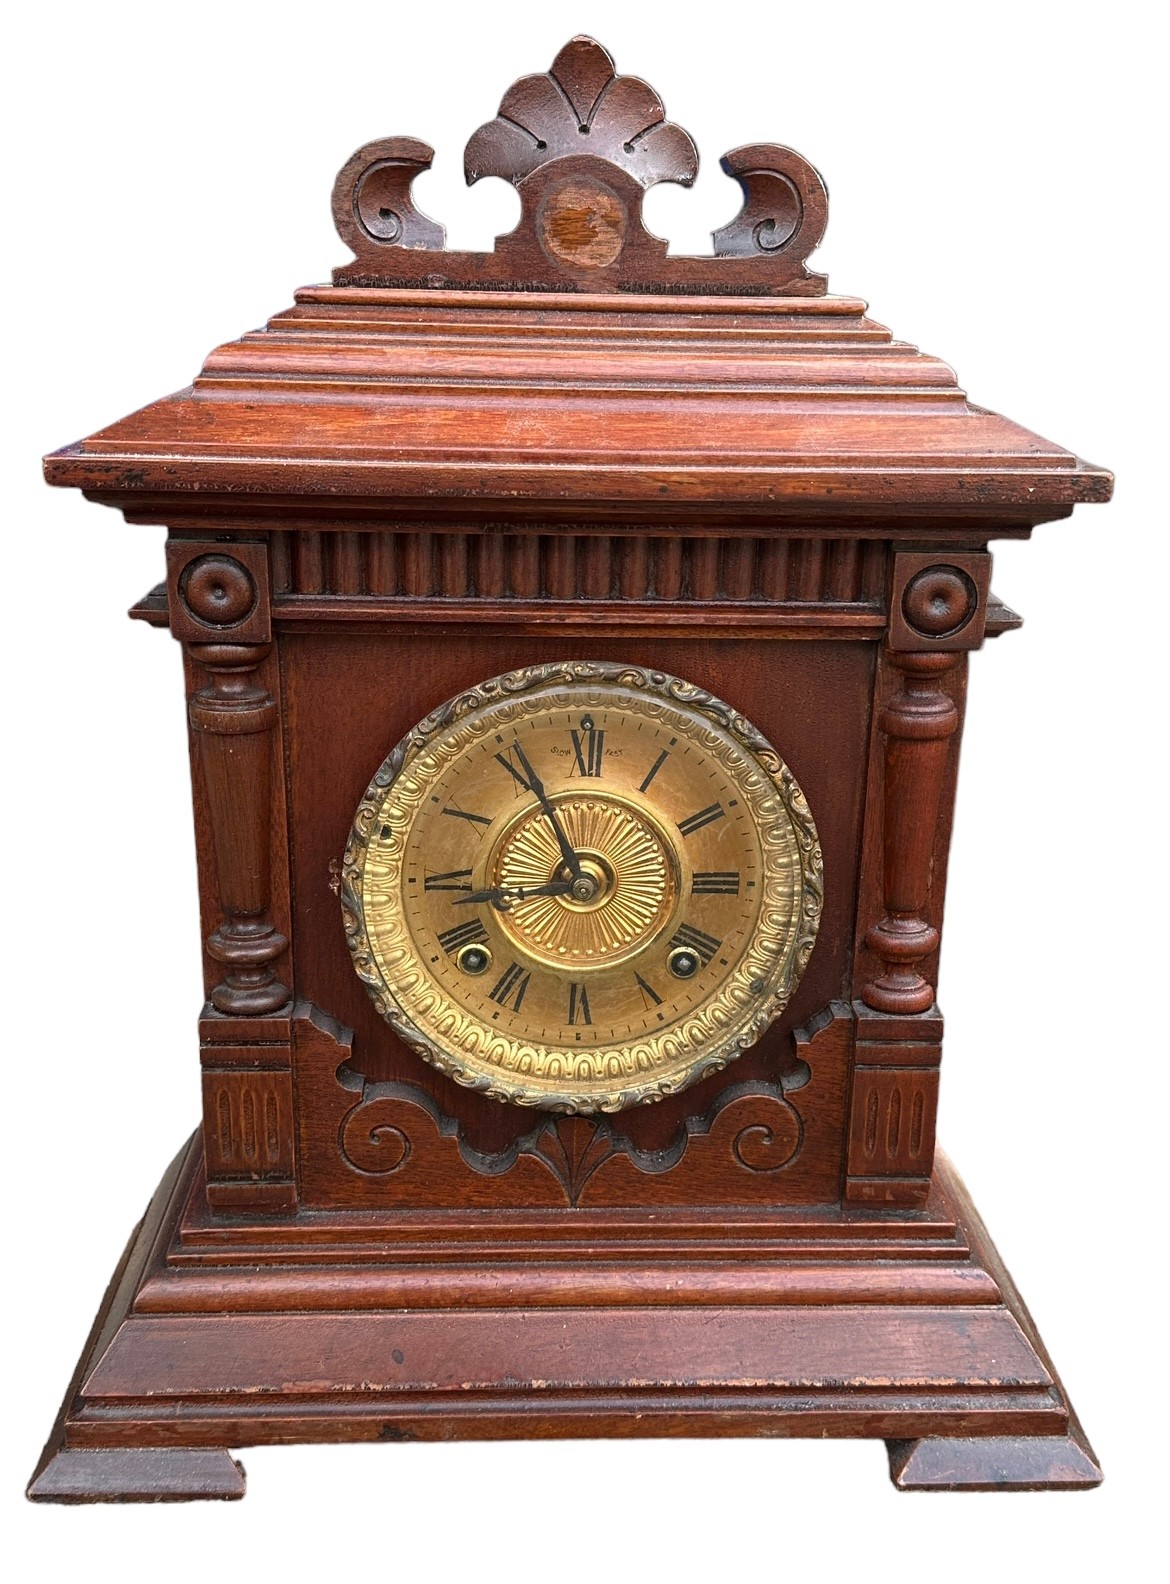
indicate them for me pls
(582, 886)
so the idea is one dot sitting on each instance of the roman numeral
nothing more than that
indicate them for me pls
(654, 769)
(469, 934)
(472, 819)
(525, 776)
(578, 1005)
(650, 996)
(703, 946)
(512, 982)
(688, 827)
(453, 880)
(717, 882)
(588, 748)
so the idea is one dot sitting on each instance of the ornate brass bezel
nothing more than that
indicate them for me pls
(749, 998)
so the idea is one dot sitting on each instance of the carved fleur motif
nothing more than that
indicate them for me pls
(581, 106)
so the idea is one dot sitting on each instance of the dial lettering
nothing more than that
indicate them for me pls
(470, 934)
(520, 771)
(655, 768)
(453, 880)
(588, 749)
(650, 996)
(578, 1005)
(472, 819)
(689, 939)
(510, 987)
(714, 811)
(570, 952)
(715, 882)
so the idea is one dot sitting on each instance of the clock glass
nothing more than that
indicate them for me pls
(582, 886)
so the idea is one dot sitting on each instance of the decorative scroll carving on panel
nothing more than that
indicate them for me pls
(395, 1146)
(753, 1128)
(738, 569)
(581, 144)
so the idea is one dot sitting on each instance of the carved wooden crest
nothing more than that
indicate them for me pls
(581, 145)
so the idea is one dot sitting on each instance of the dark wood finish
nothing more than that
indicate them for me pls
(447, 466)
(581, 144)
(395, 1147)
(233, 719)
(988, 1463)
(917, 724)
(243, 1347)
(146, 1474)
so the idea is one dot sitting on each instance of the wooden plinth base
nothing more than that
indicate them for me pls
(328, 1327)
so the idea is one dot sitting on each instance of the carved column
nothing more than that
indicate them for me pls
(917, 723)
(218, 600)
(938, 612)
(233, 719)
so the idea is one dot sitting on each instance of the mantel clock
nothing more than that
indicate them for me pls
(575, 639)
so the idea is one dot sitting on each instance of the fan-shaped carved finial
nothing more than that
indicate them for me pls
(581, 106)
(581, 145)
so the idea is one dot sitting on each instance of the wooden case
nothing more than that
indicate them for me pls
(447, 466)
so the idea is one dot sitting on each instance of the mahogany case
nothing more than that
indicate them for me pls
(446, 466)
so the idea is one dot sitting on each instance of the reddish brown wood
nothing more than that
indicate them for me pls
(756, 1142)
(917, 723)
(573, 448)
(987, 1463)
(176, 1346)
(560, 559)
(382, 556)
(490, 566)
(581, 144)
(233, 720)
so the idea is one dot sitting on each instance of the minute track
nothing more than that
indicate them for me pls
(579, 990)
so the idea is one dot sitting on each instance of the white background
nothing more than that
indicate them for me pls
(995, 198)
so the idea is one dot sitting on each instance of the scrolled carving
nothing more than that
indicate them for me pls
(752, 1127)
(785, 204)
(763, 1148)
(581, 145)
(376, 1148)
(372, 198)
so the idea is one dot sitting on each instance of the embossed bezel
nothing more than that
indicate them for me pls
(747, 1000)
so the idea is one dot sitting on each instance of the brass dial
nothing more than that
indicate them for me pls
(582, 886)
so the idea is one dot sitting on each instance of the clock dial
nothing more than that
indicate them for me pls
(582, 886)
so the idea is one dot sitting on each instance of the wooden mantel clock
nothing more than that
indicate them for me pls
(575, 640)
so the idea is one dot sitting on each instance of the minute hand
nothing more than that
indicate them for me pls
(572, 862)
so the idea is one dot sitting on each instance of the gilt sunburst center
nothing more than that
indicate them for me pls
(620, 849)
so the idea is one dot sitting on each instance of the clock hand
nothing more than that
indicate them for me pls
(572, 862)
(502, 897)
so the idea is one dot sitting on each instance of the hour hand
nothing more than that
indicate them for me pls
(502, 897)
